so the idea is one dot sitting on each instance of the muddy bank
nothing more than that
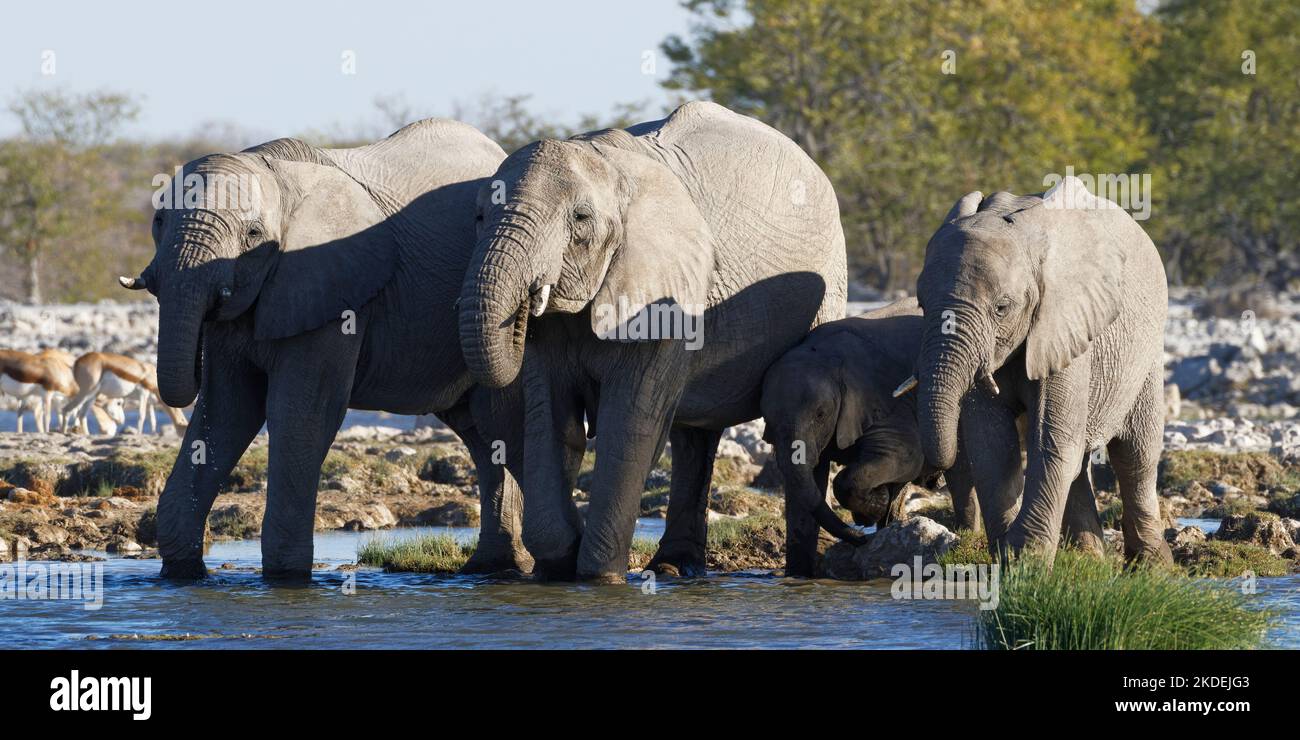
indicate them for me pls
(69, 497)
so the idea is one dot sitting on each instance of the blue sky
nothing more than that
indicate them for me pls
(277, 67)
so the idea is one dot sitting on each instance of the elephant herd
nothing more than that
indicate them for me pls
(635, 287)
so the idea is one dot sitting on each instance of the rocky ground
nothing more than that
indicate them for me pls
(1232, 453)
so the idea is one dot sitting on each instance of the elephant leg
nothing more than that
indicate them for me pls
(307, 397)
(500, 545)
(228, 414)
(1055, 445)
(554, 444)
(1135, 456)
(636, 411)
(682, 548)
(1082, 528)
(961, 487)
(802, 531)
(990, 441)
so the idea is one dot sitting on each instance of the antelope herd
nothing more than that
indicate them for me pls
(97, 384)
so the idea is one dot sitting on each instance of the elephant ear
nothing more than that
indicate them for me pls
(666, 257)
(852, 420)
(965, 206)
(337, 251)
(1080, 276)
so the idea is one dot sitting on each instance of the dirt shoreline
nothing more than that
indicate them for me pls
(65, 497)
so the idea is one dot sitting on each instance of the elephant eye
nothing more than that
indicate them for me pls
(581, 214)
(1002, 307)
(254, 232)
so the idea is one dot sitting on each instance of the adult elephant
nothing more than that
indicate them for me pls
(831, 399)
(296, 282)
(602, 254)
(1052, 306)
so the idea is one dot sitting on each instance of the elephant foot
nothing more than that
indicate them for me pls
(183, 570)
(286, 576)
(679, 562)
(610, 578)
(563, 568)
(1089, 543)
(1157, 554)
(678, 569)
(493, 561)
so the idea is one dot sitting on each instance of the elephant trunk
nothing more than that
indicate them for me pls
(185, 297)
(179, 333)
(802, 490)
(948, 366)
(501, 289)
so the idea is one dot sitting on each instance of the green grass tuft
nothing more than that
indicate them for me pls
(435, 553)
(1220, 559)
(1250, 471)
(972, 547)
(643, 548)
(1087, 603)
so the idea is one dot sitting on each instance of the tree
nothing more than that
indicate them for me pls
(1224, 112)
(909, 104)
(52, 185)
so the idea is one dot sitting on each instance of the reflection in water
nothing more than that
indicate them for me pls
(235, 608)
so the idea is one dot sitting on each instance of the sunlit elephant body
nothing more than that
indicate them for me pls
(1052, 307)
(831, 399)
(703, 212)
(330, 284)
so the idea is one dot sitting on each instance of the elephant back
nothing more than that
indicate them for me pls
(771, 208)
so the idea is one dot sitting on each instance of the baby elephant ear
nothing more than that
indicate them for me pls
(1084, 243)
(336, 252)
(966, 206)
(852, 420)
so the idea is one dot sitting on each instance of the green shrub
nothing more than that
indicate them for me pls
(1087, 603)
(435, 553)
(971, 547)
(1249, 471)
(1220, 559)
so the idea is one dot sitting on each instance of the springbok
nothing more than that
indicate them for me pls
(117, 376)
(39, 380)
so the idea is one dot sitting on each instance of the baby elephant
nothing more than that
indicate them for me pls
(831, 398)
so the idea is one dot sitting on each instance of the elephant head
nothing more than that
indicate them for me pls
(820, 397)
(277, 230)
(1028, 277)
(564, 225)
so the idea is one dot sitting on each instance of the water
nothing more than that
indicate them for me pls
(1209, 526)
(235, 608)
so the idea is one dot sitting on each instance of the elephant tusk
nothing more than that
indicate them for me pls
(540, 299)
(908, 386)
(987, 382)
(137, 283)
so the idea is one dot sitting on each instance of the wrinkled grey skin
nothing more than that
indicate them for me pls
(830, 399)
(704, 209)
(255, 311)
(1065, 307)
